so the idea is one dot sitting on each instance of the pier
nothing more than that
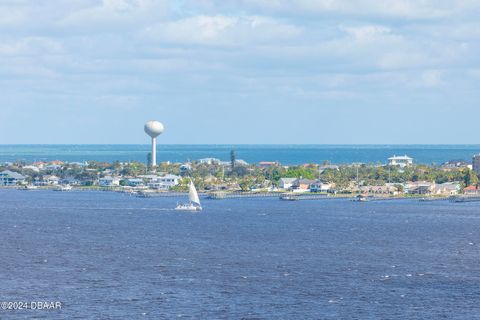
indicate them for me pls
(465, 198)
(234, 195)
(304, 196)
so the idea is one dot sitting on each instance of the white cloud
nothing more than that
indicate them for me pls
(368, 33)
(222, 30)
(30, 46)
(431, 78)
(112, 15)
(411, 9)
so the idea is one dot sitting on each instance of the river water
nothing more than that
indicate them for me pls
(107, 255)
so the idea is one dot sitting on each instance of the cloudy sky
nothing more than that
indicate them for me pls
(245, 71)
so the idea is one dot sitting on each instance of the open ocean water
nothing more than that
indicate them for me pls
(286, 154)
(107, 255)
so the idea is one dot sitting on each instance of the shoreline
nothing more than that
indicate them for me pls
(286, 196)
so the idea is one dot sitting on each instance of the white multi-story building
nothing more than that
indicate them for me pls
(165, 182)
(402, 161)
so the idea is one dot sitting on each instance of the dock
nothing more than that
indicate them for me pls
(465, 198)
(235, 195)
(304, 196)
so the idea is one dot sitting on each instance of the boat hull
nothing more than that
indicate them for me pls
(188, 207)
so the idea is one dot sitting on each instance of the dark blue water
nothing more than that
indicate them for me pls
(286, 154)
(112, 256)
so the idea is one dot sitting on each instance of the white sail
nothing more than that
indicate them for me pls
(192, 194)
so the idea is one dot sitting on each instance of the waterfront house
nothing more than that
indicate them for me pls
(286, 183)
(135, 182)
(472, 190)
(109, 181)
(302, 185)
(71, 180)
(10, 178)
(165, 182)
(420, 187)
(448, 188)
(50, 180)
(170, 180)
(319, 186)
(401, 161)
(148, 177)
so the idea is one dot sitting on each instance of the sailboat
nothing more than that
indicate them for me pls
(194, 203)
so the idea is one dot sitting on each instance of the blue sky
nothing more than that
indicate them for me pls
(246, 71)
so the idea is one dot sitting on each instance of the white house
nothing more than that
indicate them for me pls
(402, 161)
(10, 178)
(109, 181)
(165, 182)
(50, 180)
(209, 161)
(33, 168)
(320, 187)
(286, 183)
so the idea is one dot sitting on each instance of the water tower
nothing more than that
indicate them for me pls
(154, 129)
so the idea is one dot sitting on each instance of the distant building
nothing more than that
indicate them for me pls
(401, 161)
(447, 188)
(10, 178)
(455, 164)
(209, 161)
(302, 185)
(50, 180)
(419, 187)
(109, 181)
(267, 164)
(135, 182)
(320, 187)
(471, 190)
(186, 167)
(324, 167)
(165, 183)
(33, 168)
(169, 180)
(286, 183)
(476, 163)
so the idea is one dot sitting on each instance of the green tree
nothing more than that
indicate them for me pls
(469, 178)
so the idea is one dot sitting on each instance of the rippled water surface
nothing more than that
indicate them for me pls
(113, 256)
(286, 154)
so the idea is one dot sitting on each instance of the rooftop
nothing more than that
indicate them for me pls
(405, 157)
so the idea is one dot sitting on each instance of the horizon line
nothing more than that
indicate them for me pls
(241, 144)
